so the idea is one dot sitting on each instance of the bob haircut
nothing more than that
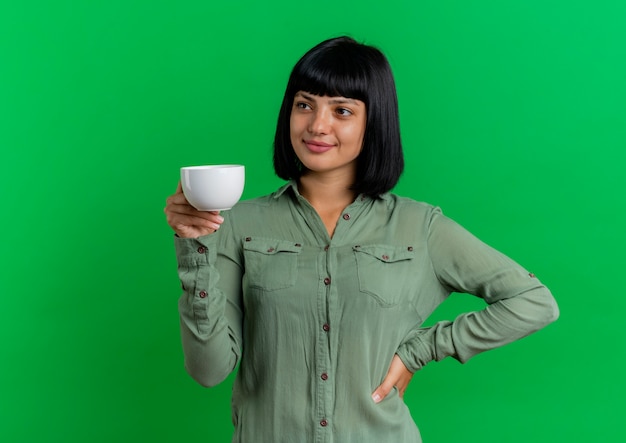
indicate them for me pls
(343, 67)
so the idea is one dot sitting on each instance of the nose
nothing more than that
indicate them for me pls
(320, 121)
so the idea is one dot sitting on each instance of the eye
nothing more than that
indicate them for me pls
(302, 105)
(344, 112)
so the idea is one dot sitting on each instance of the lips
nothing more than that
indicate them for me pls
(317, 146)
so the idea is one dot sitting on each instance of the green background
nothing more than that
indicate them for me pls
(514, 122)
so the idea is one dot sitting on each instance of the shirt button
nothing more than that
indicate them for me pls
(385, 257)
(326, 327)
(327, 281)
(248, 238)
(202, 294)
(531, 275)
(326, 247)
(324, 376)
(346, 216)
(324, 423)
(201, 250)
(410, 248)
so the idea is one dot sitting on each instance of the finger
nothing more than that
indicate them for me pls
(186, 209)
(381, 392)
(185, 229)
(191, 226)
(177, 220)
(177, 199)
(385, 388)
(179, 188)
(397, 375)
(179, 203)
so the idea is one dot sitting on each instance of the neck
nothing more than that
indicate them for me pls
(326, 193)
(328, 196)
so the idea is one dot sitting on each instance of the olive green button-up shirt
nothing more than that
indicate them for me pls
(313, 322)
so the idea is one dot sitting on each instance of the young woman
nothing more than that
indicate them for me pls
(318, 291)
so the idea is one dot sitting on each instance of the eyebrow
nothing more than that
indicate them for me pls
(334, 101)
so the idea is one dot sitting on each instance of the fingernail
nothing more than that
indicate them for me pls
(220, 219)
(376, 398)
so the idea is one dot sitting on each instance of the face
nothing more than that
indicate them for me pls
(327, 132)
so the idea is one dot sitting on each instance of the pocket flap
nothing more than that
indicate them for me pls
(270, 246)
(386, 253)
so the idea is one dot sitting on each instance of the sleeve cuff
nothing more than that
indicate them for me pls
(414, 353)
(195, 250)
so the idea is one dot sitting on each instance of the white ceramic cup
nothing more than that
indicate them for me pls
(212, 187)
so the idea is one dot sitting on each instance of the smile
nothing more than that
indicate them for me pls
(318, 147)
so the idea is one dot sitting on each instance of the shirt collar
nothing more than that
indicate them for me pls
(293, 185)
(289, 185)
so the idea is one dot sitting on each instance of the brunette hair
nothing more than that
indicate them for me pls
(343, 67)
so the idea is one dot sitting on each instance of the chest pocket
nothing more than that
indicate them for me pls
(386, 273)
(271, 264)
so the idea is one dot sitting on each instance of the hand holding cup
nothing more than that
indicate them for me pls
(203, 192)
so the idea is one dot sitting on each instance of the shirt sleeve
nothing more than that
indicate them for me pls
(518, 304)
(210, 306)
